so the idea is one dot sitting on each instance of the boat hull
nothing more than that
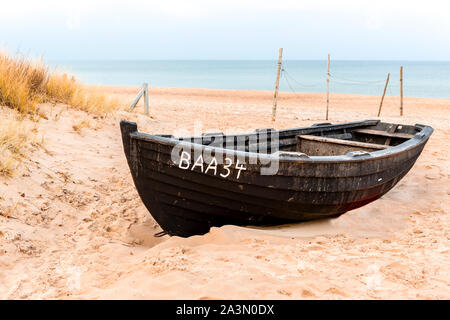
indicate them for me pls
(188, 202)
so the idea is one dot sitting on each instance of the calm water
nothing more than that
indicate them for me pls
(421, 78)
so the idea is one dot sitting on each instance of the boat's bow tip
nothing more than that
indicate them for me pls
(425, 131)
(126, 123)
(128, 126)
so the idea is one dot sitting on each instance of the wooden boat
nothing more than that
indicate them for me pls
(323, 171)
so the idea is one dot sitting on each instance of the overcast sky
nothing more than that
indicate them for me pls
(231, 29)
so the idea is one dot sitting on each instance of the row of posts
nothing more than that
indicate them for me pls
(144, 91)
(275, 96)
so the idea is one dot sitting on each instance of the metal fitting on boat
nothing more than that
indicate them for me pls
(358, 153)
(420, 135)
(291, 154)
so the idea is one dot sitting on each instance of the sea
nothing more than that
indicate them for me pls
(420, 78)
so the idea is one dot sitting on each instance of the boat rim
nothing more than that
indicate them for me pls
(288, 156)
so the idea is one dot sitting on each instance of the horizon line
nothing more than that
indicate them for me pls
(233, 59)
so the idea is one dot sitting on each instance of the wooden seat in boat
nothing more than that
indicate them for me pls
(384, 133)
(324, 146)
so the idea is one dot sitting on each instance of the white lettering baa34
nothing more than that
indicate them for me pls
(185, 164)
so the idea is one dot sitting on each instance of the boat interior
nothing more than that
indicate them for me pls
(322, 139)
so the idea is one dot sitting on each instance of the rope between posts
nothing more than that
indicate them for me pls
(284, 71)
(333, 79)
(289, 85)
(340, 80)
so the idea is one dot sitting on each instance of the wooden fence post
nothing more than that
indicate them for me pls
(384, 92)
(401, 91)
(142, 92)
(328, 86)
(275, 95)
(146, 98)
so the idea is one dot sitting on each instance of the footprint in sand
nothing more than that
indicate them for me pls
(433, 172)
(143, 234)
(336, 291)
(307, 293)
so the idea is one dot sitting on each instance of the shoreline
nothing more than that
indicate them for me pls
(252, 92)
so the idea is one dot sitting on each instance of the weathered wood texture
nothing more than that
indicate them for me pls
(189, 202)
(384, 93)
(401, 91)
(277, 83)
(328, 86)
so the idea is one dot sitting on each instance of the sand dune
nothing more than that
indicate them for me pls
(73, 226)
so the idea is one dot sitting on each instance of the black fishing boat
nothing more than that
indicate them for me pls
(268, 177)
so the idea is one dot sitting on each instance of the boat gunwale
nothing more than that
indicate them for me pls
(419, 138)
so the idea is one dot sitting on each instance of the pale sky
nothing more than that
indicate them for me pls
(231, 29)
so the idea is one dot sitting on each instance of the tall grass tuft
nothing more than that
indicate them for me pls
(22, 82)
(61, 88)
(64, 89)
(25, 83)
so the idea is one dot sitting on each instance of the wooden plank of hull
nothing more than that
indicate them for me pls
(186, 202)
(307, 183)
(305, 169)
(185, 216)
(287, 188)
(291, 208)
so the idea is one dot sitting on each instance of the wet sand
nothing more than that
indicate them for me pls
(73, 226)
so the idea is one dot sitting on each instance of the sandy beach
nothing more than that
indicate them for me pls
(73, 226)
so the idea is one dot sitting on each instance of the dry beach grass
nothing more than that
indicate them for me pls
(24, 85)
(73, 226)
